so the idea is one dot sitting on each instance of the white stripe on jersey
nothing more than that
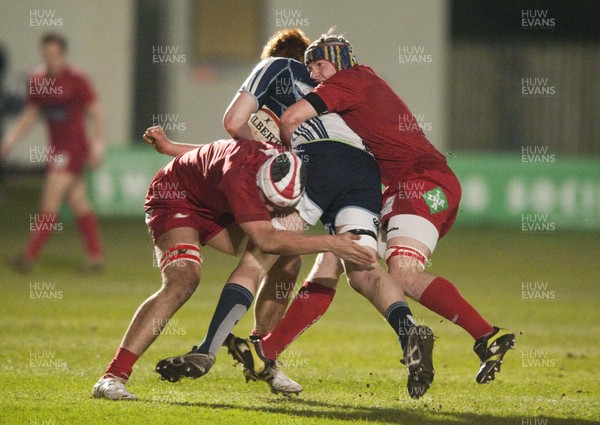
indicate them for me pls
(328, 126)
(252, 86)
(255, 82)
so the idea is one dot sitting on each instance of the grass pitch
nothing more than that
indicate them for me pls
(59, 330)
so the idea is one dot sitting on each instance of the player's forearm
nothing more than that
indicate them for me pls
(235, 120)
(293, 116)
(290, 243)
(20, 129)
(236, 126)
(288, 124)
(241, 132)
(286, 130)
(175, 149)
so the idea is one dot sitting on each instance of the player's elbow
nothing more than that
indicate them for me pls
(232, 123)
(289, 119)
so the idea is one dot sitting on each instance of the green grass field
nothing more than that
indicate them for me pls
(55, 347)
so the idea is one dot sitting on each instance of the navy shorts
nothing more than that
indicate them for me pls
(339, 176)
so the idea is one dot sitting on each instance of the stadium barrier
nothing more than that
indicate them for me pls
(534, 191)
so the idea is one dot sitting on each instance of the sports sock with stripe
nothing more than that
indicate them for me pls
(401, 320)
(235, 300)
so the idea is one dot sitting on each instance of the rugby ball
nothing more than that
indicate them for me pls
(264, 125)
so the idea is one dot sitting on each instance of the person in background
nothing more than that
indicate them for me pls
(64, 97)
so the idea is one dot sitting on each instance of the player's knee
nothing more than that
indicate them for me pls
(327, 270)
(356, 284)
(408, 277)
(361, 280)
(181, 281)
(79, 205)
(180, 267)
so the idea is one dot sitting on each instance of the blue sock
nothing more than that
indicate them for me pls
(235, 300)
(401, 320)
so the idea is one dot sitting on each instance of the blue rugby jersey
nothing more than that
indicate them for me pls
(280, 82)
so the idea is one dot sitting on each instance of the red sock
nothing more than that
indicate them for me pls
(310, 304)
(42, 226)
(122, 364)
(443, 298)
(88, 227)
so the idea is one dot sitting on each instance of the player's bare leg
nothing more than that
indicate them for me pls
(378, 286)
(56, 186)
(236, 298)
(179, 281)
(87, 224)
(326, 271)
(308, 306)
(311, 296)
(275, 293)
(442, 297)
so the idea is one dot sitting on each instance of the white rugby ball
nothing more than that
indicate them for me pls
(264, 125)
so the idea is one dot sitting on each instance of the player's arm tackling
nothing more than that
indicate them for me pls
(272, 241)
(156, 137)
(293, 116)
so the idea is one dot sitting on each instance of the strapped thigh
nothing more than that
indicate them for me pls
(408, 254)
(361, 222)
(181, 252)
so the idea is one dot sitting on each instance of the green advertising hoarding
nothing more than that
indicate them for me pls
(534, 192)
(530, 191)
(119, 187)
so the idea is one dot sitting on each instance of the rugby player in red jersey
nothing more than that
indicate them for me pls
(215, 195)
(343, 191)
(64, 97)
(420, 200)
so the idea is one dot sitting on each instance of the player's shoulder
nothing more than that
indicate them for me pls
(293, 69)
(357, 76)
(274, 64)
(231, 148)
(357, 71)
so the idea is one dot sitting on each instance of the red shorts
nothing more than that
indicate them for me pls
(167, 210)
(70, 161)
(428, 189)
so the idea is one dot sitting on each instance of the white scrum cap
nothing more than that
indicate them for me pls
(282, 179)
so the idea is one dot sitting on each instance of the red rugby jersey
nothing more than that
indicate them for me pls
(221, 177)
(376, 113)
(63, 100)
